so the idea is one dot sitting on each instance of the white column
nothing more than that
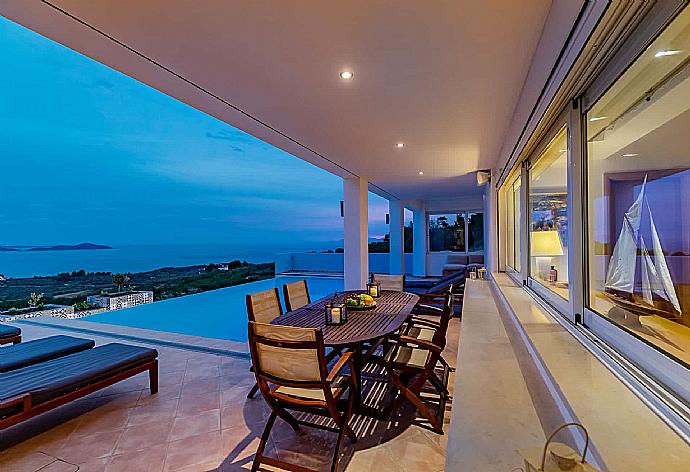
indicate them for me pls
(396, 210)
(356, 213)
(419, 235)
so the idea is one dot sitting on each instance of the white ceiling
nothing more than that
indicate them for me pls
(441, 76)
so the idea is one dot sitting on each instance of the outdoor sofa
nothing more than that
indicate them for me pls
(35, 389)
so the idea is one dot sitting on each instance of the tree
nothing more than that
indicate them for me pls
(120, 280)
(35, 300)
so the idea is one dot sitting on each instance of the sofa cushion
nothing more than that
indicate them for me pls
(41, 350)
(457, 259)
(476, 259)
(7, 331)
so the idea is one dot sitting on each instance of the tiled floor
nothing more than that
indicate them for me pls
(201, 421)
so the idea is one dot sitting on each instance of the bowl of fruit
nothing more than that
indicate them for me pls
(360, 302)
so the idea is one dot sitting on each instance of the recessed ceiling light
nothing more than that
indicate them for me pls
(598, 118)
(670, 52)
(400, 145)
(421, 173)
(346, 74)
(632, 154)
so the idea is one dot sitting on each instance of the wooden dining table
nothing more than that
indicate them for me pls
(364, 330)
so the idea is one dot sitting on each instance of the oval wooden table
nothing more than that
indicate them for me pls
(362, 327)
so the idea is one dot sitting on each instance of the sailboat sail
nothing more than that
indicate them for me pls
(667, 290)
(621, 273)
(656, 278)
(647, 268)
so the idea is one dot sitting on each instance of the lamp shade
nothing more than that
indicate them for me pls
(545, 243)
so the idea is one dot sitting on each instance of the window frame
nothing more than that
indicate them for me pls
(667, 370)
(562, 305)
(464, 213)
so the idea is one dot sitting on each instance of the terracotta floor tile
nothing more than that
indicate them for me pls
(144, 436)
(60, 466)
(200, 386)
(29, 462)
(194, 450)
(82, 447)
(162, 410)
(99, 421)
(205, 422)
(94, 465)
(150, 460)
(191, 405)
(239, 447)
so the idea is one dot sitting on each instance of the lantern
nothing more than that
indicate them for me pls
(374, 289)
(336, 312)
(560, 456)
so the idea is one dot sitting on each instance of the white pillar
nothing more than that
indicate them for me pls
(356, 213)
(396, 210)
(419, 246)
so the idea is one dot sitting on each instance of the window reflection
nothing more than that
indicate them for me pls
(548, 192)
(639, 195)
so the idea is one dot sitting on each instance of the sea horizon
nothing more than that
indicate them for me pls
(142, 257)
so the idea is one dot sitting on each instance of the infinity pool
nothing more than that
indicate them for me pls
(215, 314)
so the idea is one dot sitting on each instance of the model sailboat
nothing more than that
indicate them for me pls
(658, 295)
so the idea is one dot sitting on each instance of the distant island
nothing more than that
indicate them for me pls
(59, 247)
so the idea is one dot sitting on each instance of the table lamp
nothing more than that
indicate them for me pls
(544, 245)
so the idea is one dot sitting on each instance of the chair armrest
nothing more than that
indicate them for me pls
(420, 343)
(415, 320)
(342, 361)
(431, 296)
(424, 306)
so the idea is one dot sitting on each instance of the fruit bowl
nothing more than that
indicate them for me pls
(360, 302)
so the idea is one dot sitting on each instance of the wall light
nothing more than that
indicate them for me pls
(400, 145)
(421, 173)
(346, 74)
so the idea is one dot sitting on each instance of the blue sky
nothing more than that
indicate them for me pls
(89, 154)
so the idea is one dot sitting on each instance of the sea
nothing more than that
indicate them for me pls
(144, 257)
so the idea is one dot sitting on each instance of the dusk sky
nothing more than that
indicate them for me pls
(89, 154)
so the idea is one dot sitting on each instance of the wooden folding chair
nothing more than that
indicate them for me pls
(296, 295)
(417, 359)
(291, 371)
(390, 282)
(263, 307)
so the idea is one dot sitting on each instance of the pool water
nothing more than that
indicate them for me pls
(218, 314)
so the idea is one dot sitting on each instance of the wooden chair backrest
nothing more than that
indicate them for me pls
(264, 307)
(439, 338)
(288, 356)
(296, 295)
(390, 282)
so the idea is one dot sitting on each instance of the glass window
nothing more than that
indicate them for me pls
(513, 216)
(548, 231)
(639, 195)
(447, 232)
(475, 232)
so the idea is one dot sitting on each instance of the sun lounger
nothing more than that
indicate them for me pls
(10, 334)
(32, 390)
(41, 350)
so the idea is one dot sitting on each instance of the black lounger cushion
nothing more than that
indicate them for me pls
(41, 350)
(7, 331)
(51, 379)
(442, 286)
